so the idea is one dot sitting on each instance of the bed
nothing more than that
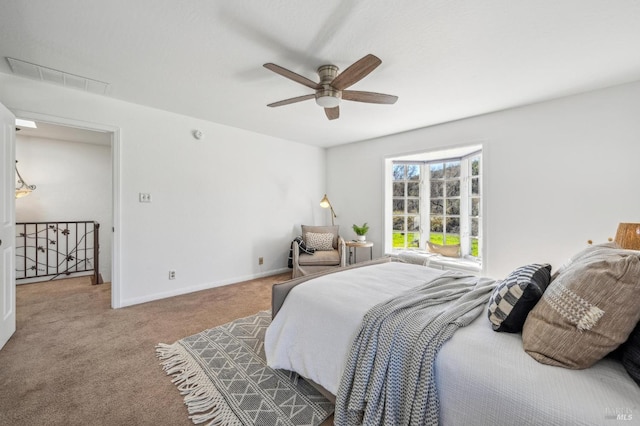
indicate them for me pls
(481, 376)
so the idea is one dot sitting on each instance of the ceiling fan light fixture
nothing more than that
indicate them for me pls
(328, 98)
(327, 101)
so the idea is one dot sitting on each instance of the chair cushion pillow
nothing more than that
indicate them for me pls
(333, 229)
(587, 311)
(515, 296)
(319, 241)
(320, 258)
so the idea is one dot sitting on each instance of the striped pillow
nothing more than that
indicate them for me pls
(514, 297)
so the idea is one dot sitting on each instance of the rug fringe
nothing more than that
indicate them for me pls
(204, 402)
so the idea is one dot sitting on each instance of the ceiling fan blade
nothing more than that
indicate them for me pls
(292, 100)
(292, 75)
(356, 72)
(369, 97)
(332, 113)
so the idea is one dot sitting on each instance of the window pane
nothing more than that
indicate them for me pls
(436, 238)
(474, 227)
(437, 189)
(398, 240)
(437, 171)
(398, 189)
(413, 206)
(413, 240)
(413, 189)
(475, 186)
(437, 206)
(453, 188)
(451, 239)
(475, 207)
(453, 225)
(413, 223)
(398, 206)
(398, 172)
(475, 166)
(436, 224)
(398, 223)
(413, 172)
(453, 206)
(452, 169)
(474, 247)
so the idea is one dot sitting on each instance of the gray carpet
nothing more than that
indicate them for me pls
(224, 378)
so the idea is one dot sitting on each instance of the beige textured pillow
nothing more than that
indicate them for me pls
(449, 250)
(587, 311)
(319, 241)
(594, 250)
(319, 229)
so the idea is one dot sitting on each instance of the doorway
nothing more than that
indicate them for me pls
(70, 142)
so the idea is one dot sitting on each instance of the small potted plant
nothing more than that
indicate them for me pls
(361, 231)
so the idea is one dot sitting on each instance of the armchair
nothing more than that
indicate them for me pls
(305, 264)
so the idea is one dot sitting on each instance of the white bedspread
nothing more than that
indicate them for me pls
(313, 330)
(481, 371)
(482, 376)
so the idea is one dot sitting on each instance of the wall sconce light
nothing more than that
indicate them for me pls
(326, 204)
(628, 236)
(23, 189)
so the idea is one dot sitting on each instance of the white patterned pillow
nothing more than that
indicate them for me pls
(319, 241)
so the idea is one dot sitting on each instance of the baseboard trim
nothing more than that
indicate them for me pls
(199, 287)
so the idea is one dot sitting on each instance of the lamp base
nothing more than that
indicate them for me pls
(628, 236)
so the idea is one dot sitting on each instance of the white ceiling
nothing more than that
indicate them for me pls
(445, 59)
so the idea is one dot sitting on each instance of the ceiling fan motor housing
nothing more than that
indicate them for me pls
(327, 96)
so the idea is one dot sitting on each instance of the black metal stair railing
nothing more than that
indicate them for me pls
(55, 249)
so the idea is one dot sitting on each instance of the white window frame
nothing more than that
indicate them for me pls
(425, 159)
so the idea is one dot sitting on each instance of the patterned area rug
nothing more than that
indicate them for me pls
(225, 380)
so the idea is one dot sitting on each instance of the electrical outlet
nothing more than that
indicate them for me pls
(144, 197)
(260, 260)
(172, 274)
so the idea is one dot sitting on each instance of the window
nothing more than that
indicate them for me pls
(436, 197)
(406, 205)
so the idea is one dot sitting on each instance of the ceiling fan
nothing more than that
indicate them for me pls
(332, 85)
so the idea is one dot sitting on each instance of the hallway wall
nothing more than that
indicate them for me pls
(73, 183)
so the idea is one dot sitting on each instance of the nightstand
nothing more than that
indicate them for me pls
(352, 246)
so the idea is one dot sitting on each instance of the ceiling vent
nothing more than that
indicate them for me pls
(49, 75)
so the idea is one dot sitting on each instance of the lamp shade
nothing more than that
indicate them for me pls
(24, 188)
(324, 203)
(628, 236)
(22, 192)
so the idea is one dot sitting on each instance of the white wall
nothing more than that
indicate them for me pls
(218, 203)
(556, 174)
(73, 183)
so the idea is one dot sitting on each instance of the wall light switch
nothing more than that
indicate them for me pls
(144, 197)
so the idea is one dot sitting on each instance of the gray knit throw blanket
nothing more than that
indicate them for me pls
(389, 377)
